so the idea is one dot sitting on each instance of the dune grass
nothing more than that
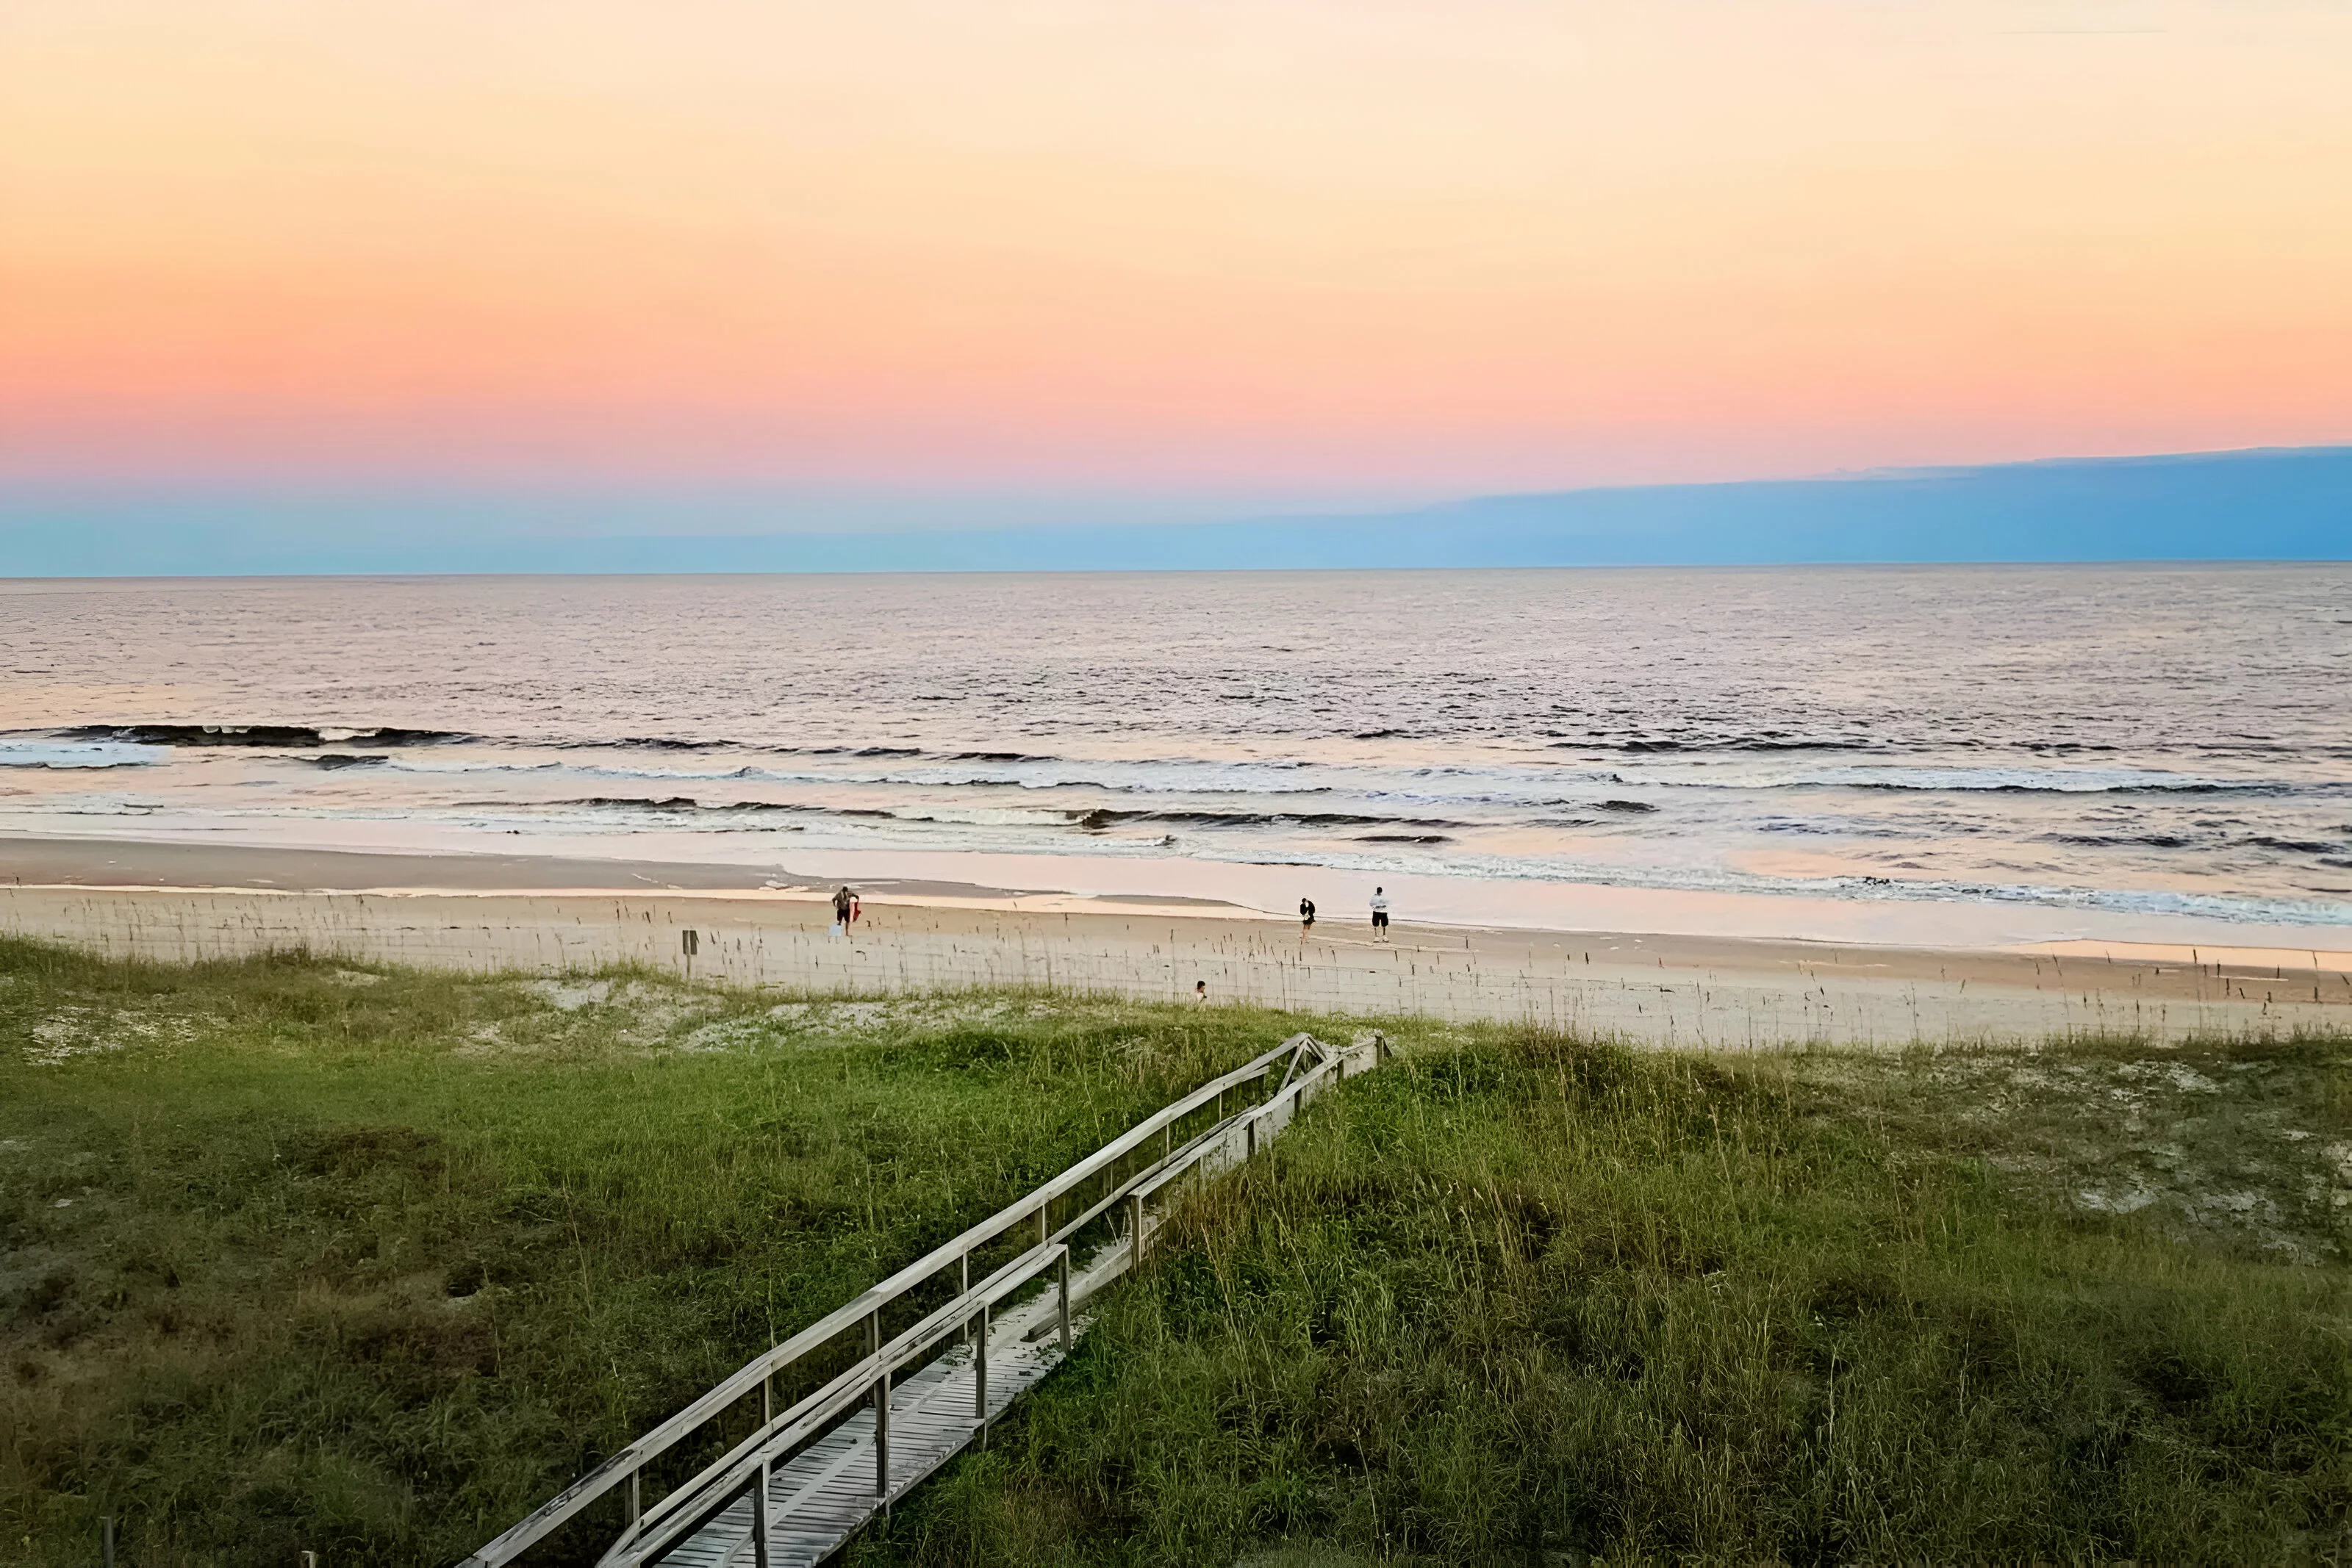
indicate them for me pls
(300, 1257)
(1530, 1301)
(296, 1256)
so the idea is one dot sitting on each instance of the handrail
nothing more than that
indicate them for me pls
(627, 1461)
(1174, 1157)
(1148, 1182)
(804, 1418)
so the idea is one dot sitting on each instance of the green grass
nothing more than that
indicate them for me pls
(298, 1256)
(1529, 1302)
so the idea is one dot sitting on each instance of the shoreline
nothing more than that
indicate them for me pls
(1677, 988)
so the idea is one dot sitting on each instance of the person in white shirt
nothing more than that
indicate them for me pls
(1380, 913)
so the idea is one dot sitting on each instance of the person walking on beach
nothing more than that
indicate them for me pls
(1306, 915)
(843, 902)
(1380, 913)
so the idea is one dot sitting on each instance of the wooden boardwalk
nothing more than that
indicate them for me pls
(804, 1479)
(818, 1500)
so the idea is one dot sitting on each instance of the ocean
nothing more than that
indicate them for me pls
(2141, 740)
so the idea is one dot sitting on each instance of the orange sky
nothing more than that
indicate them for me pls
(1312, 244)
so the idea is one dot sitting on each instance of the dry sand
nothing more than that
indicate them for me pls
(491, 912)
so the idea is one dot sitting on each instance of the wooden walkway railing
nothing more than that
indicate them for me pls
(795, 1482)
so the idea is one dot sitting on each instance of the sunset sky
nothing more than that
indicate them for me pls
(1279, 248)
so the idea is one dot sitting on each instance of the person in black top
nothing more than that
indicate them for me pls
(1305, 915)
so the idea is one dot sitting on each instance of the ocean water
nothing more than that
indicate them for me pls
(2159, 740)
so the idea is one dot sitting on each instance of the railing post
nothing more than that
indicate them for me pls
(1065, 1301)
(1134, 1234)
(760, 1517)
(768, 1401)
(882, 1436)
(980, 1378)
(637, 1503)
(881, 1406)
(1041, 1224)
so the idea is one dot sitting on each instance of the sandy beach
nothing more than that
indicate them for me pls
(476, 912)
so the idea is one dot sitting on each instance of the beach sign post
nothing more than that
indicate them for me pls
(689, 943)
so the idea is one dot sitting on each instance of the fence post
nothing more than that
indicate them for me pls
(110, 1518)
(1134, 1234)
(636, 1508)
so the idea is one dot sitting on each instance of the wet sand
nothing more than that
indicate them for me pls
(481, 913)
